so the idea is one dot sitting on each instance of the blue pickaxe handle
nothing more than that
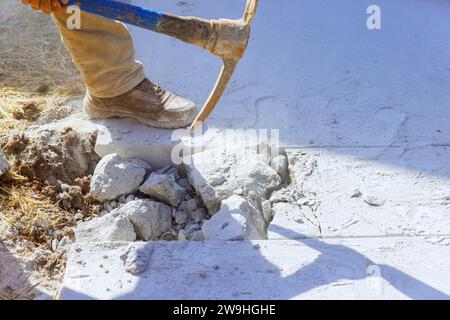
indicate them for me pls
(124, 12)
(192, 30)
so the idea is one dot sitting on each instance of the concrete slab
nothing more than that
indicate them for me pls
(295, 220)
(369, 268)
(316, 72)
(409, 197)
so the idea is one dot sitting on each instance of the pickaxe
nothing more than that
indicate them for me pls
(225, 38)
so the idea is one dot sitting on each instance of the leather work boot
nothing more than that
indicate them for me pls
(148, 103)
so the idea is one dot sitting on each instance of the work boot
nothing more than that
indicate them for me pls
(148, 103)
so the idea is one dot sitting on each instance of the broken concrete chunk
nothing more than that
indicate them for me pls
(192, 205)
(267, 211)
(140, 164)
(236, 220)
(4, 164)
(197, 236)
(181, 217)
(280, 165)
(199, 215)
(163, 187)
(114, 177)
(225, 226)
(111, 227)
(149, 218)
(136, 258)
(216, 174)
(54, 153)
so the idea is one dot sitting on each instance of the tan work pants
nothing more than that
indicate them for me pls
(103, 52)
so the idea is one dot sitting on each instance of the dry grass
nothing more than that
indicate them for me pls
(34, 65)
(32, 214)
(34, 68)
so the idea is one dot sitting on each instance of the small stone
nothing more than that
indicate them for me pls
(79, 216)
(103, 213)
(106, 228)
(108, 207)
(43, 88)
(181, 235)
(356, 194)
(280, 165)
(297, 195)
(54, 244)
(192, 205)
(181, 217)
(129, 198)
(303, 202)
(199, 215)
(137, 257)
(122, 199)
(374, 202)
(197, 236)
(113, 204)
(163, 187)
(237, 219)
(166, 236)
(65, 199)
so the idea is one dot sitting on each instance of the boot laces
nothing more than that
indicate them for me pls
(152, 88)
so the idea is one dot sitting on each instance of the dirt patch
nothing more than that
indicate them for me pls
(41, 199)
(28, 111)
(53, 157)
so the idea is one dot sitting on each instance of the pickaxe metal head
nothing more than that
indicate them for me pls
(230, 44)
(225, 38)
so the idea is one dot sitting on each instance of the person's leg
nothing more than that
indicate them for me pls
(104, 54)
(116, 84)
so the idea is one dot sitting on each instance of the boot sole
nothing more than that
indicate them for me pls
(98, 113)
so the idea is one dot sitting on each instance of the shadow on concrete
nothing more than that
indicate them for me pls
(243, 272)
(14, 283)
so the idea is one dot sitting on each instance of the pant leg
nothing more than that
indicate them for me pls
(104, 54)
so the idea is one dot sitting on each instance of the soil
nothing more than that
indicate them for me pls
(53, 157)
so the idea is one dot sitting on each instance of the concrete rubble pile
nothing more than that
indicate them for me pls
(217, 194)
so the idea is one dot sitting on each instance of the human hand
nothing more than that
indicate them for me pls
(46, 6)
